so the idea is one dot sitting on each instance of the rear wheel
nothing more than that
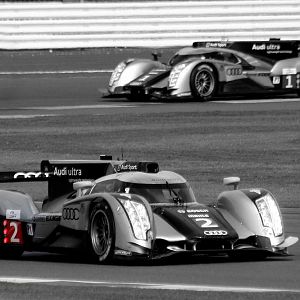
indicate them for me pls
(102, 233)
(13, 252)
(203, 82)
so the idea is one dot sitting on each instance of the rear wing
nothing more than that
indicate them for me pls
(61, 174)
(274, 49)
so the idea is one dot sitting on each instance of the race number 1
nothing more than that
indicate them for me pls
(289, 81)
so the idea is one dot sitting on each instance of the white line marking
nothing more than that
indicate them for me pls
(258, 101)
(154, 286)
(65, 107)
(56, 72)
(5, 117)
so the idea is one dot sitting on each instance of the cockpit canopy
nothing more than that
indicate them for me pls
(154, 193)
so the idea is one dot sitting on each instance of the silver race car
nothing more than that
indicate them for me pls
(207, 70)
(106, 209)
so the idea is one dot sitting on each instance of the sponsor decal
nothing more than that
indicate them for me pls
(197, 210)
(30, 175)
(67, 172)
(29, 228)
(122, 168)
(289, 71)
(263, 47)
(181, 211)
(70, 213)
(215, 232)
(46, 218)
(216, 45)
(199, 216)
(53, 218)
(12, 214)
(123, 252)
(276, 80)
(233, 71)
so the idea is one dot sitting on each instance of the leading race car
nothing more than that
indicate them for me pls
(207, 70)
(133, 210)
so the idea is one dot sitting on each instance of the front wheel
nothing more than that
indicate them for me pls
(203, 82)
(138, 96)
(102, 233)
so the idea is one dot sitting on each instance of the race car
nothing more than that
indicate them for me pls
(206, 70)
(286, 75)
(108, 209)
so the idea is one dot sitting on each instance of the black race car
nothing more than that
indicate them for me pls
(109, 208)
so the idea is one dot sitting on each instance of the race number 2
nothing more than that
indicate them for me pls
(12, 231)
(207, 223)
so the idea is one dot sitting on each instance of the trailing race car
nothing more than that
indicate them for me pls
(134, 210)
(207, 70)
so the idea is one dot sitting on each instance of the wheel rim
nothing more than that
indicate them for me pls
(204, 83)
(101, 233)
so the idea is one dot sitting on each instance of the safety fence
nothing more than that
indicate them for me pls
(50, 25)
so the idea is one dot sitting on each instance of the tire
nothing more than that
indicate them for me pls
(138, 96)
(203, 83)
(11, 252)
(101, 233)
(248, 256)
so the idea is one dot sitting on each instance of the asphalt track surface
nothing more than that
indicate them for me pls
(65, 277)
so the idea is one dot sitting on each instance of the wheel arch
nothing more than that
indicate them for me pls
(239, 209)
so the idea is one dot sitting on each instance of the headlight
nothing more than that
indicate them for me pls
(117, 73)
(270, 214)
(138, 217)
(174, 75)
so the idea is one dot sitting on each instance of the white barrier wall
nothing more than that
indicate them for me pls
(147, 24)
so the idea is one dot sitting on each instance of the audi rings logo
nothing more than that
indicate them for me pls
(234, 71)
(30, 175)
(70, 214)
(215, 232)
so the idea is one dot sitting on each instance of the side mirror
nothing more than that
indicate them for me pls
(232, 181)
(156, 54)
(82, 186)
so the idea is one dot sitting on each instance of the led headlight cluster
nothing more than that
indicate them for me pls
(117, 73)
(138, 217)
(270, 215)
(175, 74)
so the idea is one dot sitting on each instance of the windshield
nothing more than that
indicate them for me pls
(162, 193)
